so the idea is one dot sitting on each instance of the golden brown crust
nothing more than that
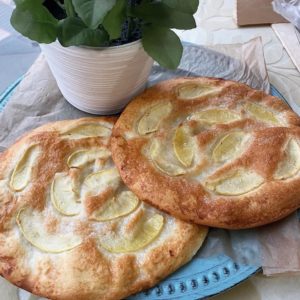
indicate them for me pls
(87, 271)
(187, 196)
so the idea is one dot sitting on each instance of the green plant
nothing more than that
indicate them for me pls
(99, 23)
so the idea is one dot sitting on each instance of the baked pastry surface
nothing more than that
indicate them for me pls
(211, 151)
(70, 228)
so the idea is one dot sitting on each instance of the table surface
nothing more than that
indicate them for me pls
(215, 25)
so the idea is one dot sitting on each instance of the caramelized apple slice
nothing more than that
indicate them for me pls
(80, 158)
(290, 166)
(228, 147)
(183, 146)
(87, 131)
(161, 163)
(99, 181)
(122, 205)
(63, 197)
(22, 173)
(236, 183)
(216, 116)
(31, 224)
(153, 116)
(261, 113)
(149, 230)
(193, 90)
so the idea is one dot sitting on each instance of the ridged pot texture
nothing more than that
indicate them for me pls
(99, 80)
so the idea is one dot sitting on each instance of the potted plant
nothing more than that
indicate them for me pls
(101, 51)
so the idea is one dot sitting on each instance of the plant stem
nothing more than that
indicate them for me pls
(129, 30)
(69, 8)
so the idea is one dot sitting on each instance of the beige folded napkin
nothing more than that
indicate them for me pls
(256, 12)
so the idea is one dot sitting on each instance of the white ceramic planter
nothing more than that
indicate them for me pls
(99, 80)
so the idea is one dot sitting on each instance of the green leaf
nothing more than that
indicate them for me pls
(34, 21)
(189, 7)
(163, 45)
(115, 18)
(161, 14)
(73, 32)
(92, 12)
(69, 8)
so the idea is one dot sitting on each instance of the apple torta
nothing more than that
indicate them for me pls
(71, 229)
(211, 151)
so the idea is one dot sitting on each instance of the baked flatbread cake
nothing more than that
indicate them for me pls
(69, 227)
(211, 151)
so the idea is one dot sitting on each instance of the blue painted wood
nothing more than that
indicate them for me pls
(200, 278)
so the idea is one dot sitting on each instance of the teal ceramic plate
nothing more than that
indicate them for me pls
(199, 279)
